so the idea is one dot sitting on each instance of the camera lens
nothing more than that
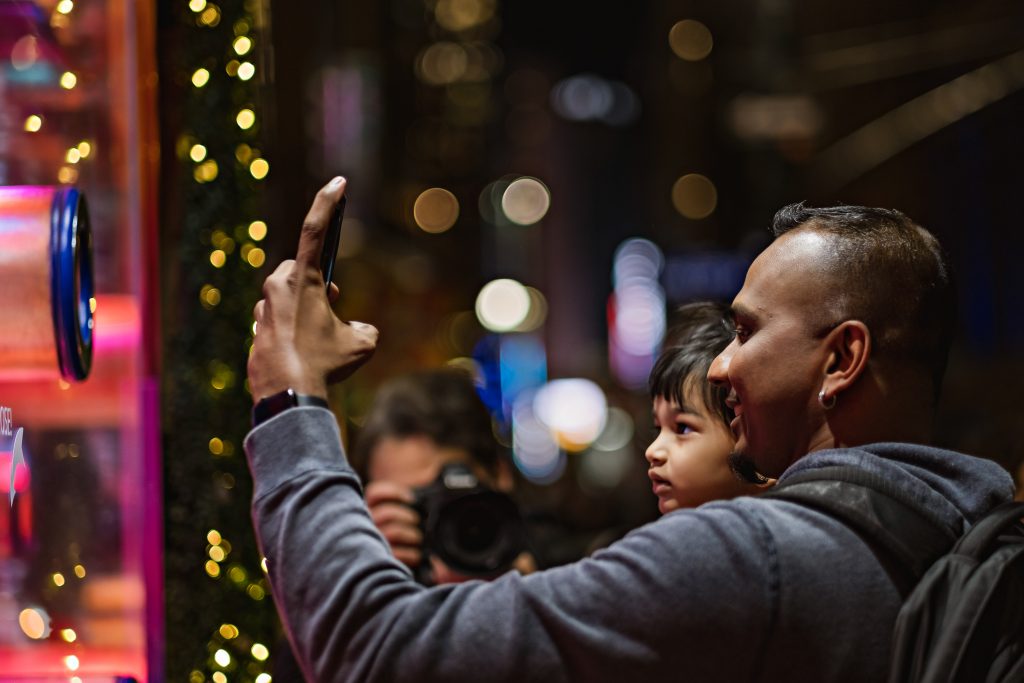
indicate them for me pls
(479, 533)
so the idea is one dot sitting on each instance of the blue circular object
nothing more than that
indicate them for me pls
(71, 282)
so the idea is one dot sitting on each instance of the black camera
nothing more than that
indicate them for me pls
(474, 529)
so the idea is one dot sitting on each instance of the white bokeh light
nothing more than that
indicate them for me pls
(575, 410)
(525, 201)
(502, 305)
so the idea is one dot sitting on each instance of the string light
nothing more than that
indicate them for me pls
(245, 119)
(246, 70)
(259, 168)
(33, 123)
(257, 230)
(65, 6)
(200, 77)
(68, 80)
(242, 45)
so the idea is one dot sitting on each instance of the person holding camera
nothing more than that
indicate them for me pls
(436, 485)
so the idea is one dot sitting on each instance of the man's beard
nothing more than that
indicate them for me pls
(745, 470)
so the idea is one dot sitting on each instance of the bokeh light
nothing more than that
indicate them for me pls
(200, 77)
(33, 123)
(618, 431)
(34, 622)
(435, 210)
(636, 259)
(222, 657)
(246, 70)
(84, 149)
(206, 171)
(68, 80)
(525, 201)
(588, 97)
(460, 15)
(242, 45)
(259, 651)
(257, 230)
(575, 410)
(534, 450)
(537, 314)
(197, 6)
(442, 63)
(65, 6)
(245, 119)
(502, 305)
(259, 168)
(690, 40)
(197, 153)
(24, 53)
(694, 196)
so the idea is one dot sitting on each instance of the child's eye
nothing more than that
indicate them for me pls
(742, 333)
(683, 428)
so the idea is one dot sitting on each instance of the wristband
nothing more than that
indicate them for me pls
(278, 403)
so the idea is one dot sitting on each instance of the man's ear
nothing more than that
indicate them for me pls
(849, 351)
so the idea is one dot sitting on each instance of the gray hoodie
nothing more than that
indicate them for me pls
(741, 590)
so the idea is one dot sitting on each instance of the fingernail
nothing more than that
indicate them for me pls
(337, 181)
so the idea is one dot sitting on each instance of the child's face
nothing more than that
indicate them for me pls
(689, 457)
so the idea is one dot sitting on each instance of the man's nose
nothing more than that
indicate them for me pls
(718, 373)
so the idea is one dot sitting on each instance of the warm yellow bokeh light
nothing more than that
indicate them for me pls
(435, 210)
(80, 571)
(92, 304)
(244, 153)
(210, 16)
(442, 63)
(33, 123)
(68, 635)
(246, 70)
(73, 156)
(209, 296)
(242, 45)
(212, 568)
(197, 6)
(216, 446)
(84, 149)
(525, 201)
(67, 175)
(197, 153)
(263, 566)
(200, 77)
(257, 230)
(214, 537)
(219, 677)
(228, 631)
(245, 119)
(217, 258)
(690, 40)
(58, 579)
(459, 15)
(256, 257)
(68, 80)
(206, 171)
(231, 68)
(32, 623)
(259, 168)
(260, 651)
(65, 6)
(694, 196)
(263, 678)
(256, 592)
(217, 553)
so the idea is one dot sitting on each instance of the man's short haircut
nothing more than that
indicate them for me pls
(442, 405)
(889, 273)
(699, 333)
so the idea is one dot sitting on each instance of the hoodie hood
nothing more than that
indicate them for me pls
(957, 487)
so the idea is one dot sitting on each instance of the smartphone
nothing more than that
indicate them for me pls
(331, 242)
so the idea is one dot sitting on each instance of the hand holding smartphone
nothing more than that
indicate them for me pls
(331, 241)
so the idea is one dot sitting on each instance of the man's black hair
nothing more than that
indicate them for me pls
(440, 404)
(888, 272)
(699, 333)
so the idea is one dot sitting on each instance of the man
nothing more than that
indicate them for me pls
(824, 362)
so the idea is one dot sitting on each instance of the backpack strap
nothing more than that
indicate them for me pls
(909, 537)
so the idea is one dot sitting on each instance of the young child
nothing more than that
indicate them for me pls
(689, 457)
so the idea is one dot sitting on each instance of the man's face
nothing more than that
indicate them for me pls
(776, 365)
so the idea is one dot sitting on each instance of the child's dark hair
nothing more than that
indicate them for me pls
(698, 334)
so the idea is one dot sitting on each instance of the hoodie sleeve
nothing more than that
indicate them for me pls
(654, 604)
